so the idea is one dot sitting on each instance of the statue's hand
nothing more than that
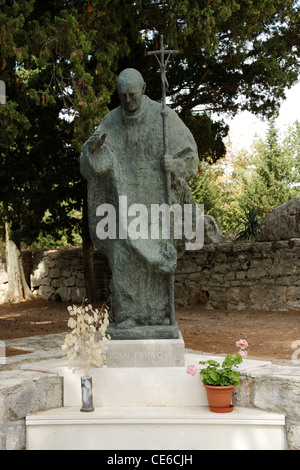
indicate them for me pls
(99, 155)
(95, 142)
(169, 163)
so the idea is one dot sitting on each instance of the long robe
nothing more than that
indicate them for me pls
(124, 157)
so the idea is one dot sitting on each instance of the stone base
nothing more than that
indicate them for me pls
(155, 428)
(155, 408)
(144, 332)
(146, 352)
(135, 386)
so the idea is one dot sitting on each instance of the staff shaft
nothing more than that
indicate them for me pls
(160, 56)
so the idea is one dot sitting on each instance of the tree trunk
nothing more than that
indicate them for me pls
(88, 256)
(18, 288)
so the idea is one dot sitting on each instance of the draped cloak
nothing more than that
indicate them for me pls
(124, 157)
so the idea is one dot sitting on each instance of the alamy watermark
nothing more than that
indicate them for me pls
(2, 92)
(160, 222)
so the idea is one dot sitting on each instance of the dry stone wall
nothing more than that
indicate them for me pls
(230, 275)
(59, 274)
(21, 393)
(241, 276)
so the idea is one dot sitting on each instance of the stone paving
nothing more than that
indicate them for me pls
(49, 346)
(35, 348)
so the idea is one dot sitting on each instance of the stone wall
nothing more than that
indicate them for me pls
(59, 274)
(262, 276)
(21, 393)
(275, 388)
(231, 275)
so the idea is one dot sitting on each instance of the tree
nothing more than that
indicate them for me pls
(12, 123)
(275, 173)
(218, 186)
(233, 55)
(32, 182)
(56, 58)
(245, 186)
(291, 148)
(63, 57)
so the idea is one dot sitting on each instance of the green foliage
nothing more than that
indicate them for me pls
(223, 375)
(249, 226)
(55, 59)
(263, 178)
(61, 239)
(205, 188)
(208, 135)
(233, 55)
(274, 176)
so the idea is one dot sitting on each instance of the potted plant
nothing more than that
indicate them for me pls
(86, 323)
(219, 380)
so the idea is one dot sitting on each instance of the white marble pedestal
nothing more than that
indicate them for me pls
(148, 408)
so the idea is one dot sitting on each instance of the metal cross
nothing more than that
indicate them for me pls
(160, 56)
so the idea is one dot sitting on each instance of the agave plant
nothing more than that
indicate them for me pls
(249, 225)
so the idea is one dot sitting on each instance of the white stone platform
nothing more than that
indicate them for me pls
(151, 408)
(154, 428)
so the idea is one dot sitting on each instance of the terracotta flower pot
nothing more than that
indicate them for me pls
(219, 398)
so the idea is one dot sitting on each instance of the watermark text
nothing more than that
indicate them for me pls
(160, 222)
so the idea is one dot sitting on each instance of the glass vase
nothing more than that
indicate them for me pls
(87, 394)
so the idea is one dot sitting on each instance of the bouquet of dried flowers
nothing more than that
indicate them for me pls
(88, 336)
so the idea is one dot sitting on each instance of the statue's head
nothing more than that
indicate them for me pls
(131, 87)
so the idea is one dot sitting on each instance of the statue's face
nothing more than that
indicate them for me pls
(131, 96)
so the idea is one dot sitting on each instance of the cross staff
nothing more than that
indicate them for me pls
(160, 56)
